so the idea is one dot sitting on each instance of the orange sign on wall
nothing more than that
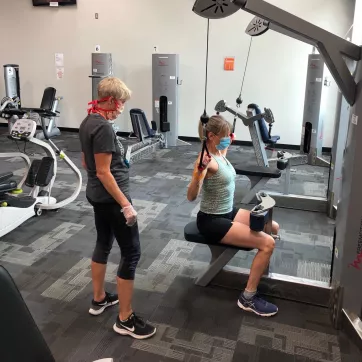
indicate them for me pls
(229, 64)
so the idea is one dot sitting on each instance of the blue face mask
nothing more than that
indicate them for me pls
(224, 144)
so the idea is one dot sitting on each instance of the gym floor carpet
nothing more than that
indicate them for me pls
(49, 258)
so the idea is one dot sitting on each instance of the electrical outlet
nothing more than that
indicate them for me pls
(155, 49)
(96, 16)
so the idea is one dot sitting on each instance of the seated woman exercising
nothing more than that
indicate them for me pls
(219, 221)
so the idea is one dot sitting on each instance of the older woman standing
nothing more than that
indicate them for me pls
(115, 218)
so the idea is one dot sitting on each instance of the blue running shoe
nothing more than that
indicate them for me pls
(257, 305)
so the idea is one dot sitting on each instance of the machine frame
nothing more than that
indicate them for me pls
(346, 273)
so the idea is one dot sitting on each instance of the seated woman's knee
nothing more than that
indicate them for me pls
(269, 244)
(276, 228)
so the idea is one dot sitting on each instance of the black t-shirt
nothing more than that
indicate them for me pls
(97, 136)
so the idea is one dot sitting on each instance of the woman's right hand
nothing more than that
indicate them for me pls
(198, 176)
(204, 163)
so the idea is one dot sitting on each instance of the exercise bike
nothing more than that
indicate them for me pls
(16, 208)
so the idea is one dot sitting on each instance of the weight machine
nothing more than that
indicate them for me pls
(165, 93)
(311, 139)
(344, 289)
(149, 138)
(312, 130)
(284, 199)
(102, 67)
(316, 92)
(50, 102)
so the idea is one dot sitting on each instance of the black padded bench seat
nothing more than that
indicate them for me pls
(257, 171)
(193, 235)
(221, 254)
(45, 109)
(22, 111)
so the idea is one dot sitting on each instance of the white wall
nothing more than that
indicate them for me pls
(357, 27)
(130, 29)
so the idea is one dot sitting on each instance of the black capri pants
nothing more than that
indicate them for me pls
(111, 224)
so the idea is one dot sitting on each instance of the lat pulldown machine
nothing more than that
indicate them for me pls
(312, 134)
(346, 273)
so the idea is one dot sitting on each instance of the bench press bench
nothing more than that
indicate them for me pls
(222, 254)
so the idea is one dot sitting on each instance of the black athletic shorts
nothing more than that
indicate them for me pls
(215, 227)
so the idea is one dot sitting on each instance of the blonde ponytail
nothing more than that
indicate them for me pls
(201, 131)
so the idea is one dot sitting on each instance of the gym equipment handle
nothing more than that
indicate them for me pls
(266, 203)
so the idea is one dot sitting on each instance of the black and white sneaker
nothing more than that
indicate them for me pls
(98, 308)
(134, 327)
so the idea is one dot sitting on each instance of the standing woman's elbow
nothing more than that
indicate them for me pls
(103, 163)
(101, 174)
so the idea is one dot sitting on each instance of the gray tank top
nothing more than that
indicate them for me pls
(218, 190)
